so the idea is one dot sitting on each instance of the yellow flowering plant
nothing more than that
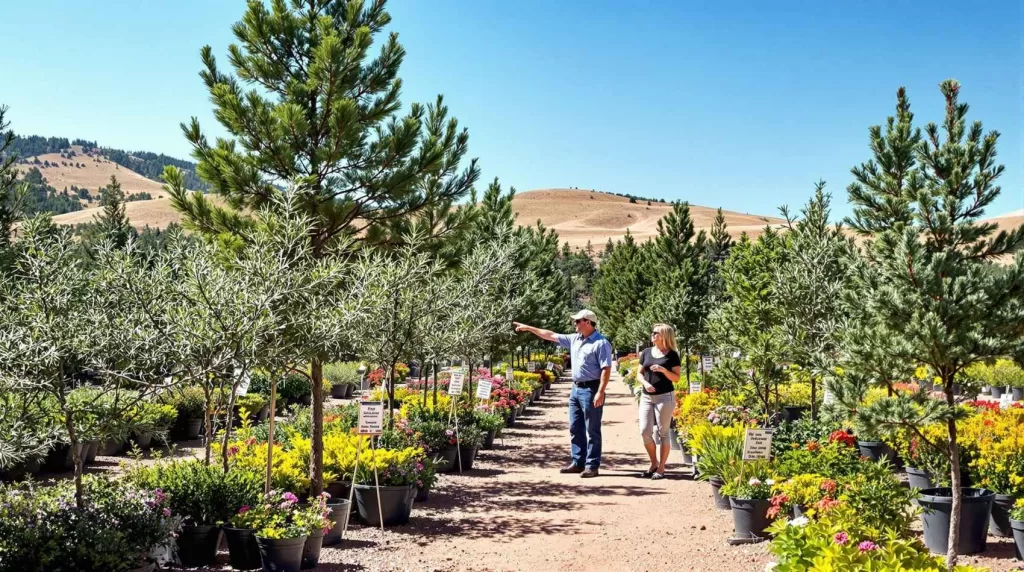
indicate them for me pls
(998, 437)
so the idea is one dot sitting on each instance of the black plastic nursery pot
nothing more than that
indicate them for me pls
(340, 511)
(875, 450)
(422, 494)
(919, 479)
(243, 551)
(749, 517)
(975, 512)
(721, 502)
(395, 504)
(489, 439)
(58, 459)
(143, 440)
(1018, 537)
(673, 439)
(793, 413)
(311, 550)
(188, 429)
(197, 545)
(338, 391)
(511, 419)
(999, 523)
(1018, 393)
(467, 456)
(447, 461)
(337, 490)
(281, 554)
(996, 392)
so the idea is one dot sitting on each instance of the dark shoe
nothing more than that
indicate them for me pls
(571, 469)
(589, 473)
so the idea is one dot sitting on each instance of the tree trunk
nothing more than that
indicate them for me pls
(316, 456)
(686, 361)
(76, 458)
(230, 417)
(814, 400)
(424, 376)
(208, 430)
(958, 495)
(434, 368)
(469, 371)
(270, 439)
(391, 394)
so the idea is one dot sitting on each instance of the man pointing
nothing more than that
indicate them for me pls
(591, 358)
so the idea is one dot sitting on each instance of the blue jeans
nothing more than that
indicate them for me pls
(585, 427)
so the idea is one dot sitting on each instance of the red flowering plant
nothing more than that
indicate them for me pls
(842, 437)
(376, 377)
(982, 405)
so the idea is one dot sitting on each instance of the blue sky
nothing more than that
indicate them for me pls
(742, 105)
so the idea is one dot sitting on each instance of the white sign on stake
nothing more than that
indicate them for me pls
(708, 362)
(1005, 401)
(551, 366)
(371, 418)
(757, 444)
(531, 367)
(455, 385)
(510, 376)
(483, 389)
(243, 382)
(696, 387)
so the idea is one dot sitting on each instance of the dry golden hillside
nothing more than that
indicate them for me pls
(156, 213)
(580, 216)
(95, 174)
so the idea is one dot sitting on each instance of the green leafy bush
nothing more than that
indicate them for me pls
(154, 418)
(201, 494)
(189, 401)
(251, 402)
(342, 373)
(833, 460)
(294, 386)
(488, 421)
(41, 530)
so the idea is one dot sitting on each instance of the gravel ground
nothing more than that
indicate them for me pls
(514, 511)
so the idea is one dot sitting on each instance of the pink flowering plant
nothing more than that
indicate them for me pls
(843, 539)
(280, 515)
(755, 483)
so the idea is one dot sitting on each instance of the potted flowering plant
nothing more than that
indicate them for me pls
(801, 493)
(243, 550)
(490, 424)
(750, 498)
(397, 472)
(1017, 525)
(427, 479)
(282, 527)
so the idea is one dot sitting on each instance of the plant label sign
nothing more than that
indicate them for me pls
(696, 387)
(510, 376)
(483, 389)
(371, 418)
(531, 367)
(455, 385)
(757, 444)
(1005, 401)
(243, 381)
(708, 362)
(550, 367)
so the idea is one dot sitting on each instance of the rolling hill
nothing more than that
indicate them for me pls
(94, 173)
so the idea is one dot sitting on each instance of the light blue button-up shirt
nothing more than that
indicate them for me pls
(589, 355)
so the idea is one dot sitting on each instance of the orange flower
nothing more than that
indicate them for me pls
(813, 446)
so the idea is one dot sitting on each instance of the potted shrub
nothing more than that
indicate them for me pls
(240, 533)
(802, 492)
(203, 496)
(1007, 376)
(975, 513)
(1017, 526)
(397, 472)
(252, 406)
(427, 479)
(796, 400)
(489, 424)
(344, 376)
(152, 420)
(282, 527)
(998, 465)
(719, 450)
(469, 439)
(750, 499)
(191, 405)
(315, 514)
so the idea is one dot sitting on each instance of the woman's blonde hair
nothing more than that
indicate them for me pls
(668, 335)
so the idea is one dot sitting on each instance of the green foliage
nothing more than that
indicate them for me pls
(620, 288)
(832, 460)
(488, 421)
(190, 402)
(795, 434)
(294, 386)
(41, 530)
(201, 494)
(342, 373)
(112, 222)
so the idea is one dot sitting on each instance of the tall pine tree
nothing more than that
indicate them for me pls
(112, 222)
(932, 280)
(12, 194)
(309, 109)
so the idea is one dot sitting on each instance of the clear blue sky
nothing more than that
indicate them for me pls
(736, 104)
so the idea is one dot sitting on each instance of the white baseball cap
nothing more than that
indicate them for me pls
(585, 315)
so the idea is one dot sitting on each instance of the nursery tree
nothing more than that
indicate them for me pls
(750, 318)
(933, 280)
(322, 116)
(809, 288)
(112, 222)
(12, 194)
(70, 337)
(620, 288)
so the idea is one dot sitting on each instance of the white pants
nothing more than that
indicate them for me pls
(656, 410)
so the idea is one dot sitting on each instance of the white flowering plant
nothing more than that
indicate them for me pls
(755, 482)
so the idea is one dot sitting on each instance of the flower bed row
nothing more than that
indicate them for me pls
(178, 510)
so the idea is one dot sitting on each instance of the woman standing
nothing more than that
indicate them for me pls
(659, 369)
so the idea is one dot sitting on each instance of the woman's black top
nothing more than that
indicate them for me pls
(661, 383)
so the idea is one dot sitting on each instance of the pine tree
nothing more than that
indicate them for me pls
(931, 278)
(810, 289)
(620, 289)
(749, 318)
(112, 222)
(12, 194)
(720, 241)
(323, 121)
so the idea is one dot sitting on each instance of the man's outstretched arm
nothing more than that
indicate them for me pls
(542, 334)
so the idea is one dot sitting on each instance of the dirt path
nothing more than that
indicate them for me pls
(516, 512)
